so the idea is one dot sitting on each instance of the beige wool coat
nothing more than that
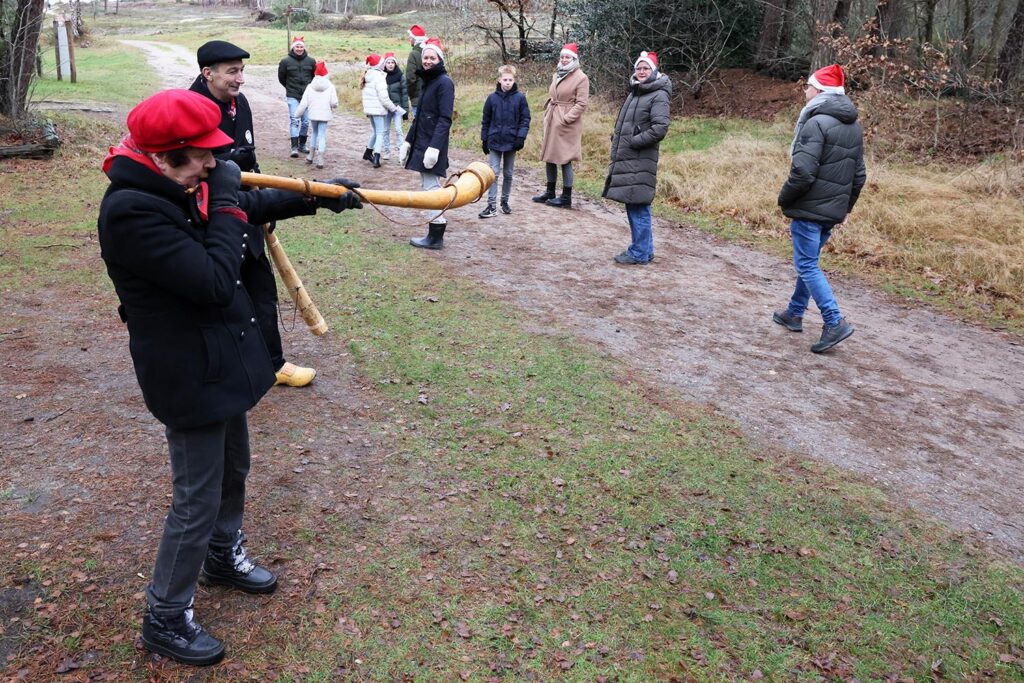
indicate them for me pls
(563, 118)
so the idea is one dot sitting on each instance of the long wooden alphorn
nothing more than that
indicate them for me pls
(470, 186)
(291, 279)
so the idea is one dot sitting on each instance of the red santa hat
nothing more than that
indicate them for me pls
(321, 68)
(435, 45)
(298, 40)
(373, 60)
(391, 56)
(570, 49)
(417, 33)
(650, 57)
(828, 79)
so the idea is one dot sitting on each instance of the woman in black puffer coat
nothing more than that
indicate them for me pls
(398, 91)
(641, 126)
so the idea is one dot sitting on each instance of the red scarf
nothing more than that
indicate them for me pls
(128, 148)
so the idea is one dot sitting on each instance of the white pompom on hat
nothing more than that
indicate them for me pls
(829, 79)
(650, 57)
(435, 45)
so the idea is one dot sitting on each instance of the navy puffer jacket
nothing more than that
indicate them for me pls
(827, 172)
(506, 119)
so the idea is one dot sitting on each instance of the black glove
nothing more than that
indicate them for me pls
(484, 147)
(520, 143)
(244, 156)
(405, 116)
(223, 183)
(349, 200)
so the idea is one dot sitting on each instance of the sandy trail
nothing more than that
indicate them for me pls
(924, 405)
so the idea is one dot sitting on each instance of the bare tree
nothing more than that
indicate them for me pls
(17, 64)
(1011, 57)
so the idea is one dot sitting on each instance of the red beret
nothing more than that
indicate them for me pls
(173, 119)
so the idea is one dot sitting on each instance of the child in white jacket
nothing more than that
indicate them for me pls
(377, 105)
(320, 98)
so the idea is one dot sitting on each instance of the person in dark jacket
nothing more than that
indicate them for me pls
(174, 231)
(503, 131)
(633, 171)
(295, 72)
(417, 36)
(426, 146)
(221, 76)
(826, 176)
(398, 91)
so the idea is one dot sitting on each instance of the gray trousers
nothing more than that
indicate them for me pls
(502, 163)
(209, 465)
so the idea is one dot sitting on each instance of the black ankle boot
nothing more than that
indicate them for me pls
(295, 147)
(231, 567)
(546, 194)
(563, 202)
(181, 639)
(376, 160)
(302, 144)
(368, 154)
(434, 238)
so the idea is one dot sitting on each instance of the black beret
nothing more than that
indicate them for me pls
(217, 51)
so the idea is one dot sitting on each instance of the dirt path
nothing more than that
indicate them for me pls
(922, 404)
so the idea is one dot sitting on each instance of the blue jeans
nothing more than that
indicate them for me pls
(393, 119)
(318, 139)
(380, 127)
(642, 248)
(808, 239)
(297, 127)
(504, 163)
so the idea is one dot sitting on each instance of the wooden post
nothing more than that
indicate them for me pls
(56, 48)
(288, 23)
(71, 50)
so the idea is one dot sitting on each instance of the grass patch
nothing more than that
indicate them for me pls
(547, 518)
(102, 72)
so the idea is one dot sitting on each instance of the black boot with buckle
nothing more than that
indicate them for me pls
(180, 638)
(231, 567)
(547, 194)
(562, 202)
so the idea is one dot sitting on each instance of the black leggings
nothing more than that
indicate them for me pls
(567, 175)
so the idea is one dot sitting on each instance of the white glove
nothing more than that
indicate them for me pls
(404, 153)
(399, 111)
(430, 157)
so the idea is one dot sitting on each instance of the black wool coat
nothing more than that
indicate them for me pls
(398, 88)
(295, 73)
(433, 120)
(197, 349)
(238, 127)
(827, 171)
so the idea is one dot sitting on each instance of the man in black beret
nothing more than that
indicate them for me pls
(222, 74)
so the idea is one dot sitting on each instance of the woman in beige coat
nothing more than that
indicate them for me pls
(563, 125)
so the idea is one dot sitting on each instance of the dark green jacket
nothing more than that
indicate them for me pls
(413, 82)
(641, 126)
(827, 171)
(295, 73)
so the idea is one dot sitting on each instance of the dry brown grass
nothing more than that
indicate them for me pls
(962, 228)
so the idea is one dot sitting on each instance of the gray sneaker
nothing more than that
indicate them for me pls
(830, 336)
(488, 212)
(793, 323)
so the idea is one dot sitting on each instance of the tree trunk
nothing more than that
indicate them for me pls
(968, 32)
(1013, 49)
(771, 29)
(18, 64)
(523, 47)
(554, 18)
(993, 39)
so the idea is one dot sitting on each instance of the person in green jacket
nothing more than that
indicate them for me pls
(417, 36)
(295, 72)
